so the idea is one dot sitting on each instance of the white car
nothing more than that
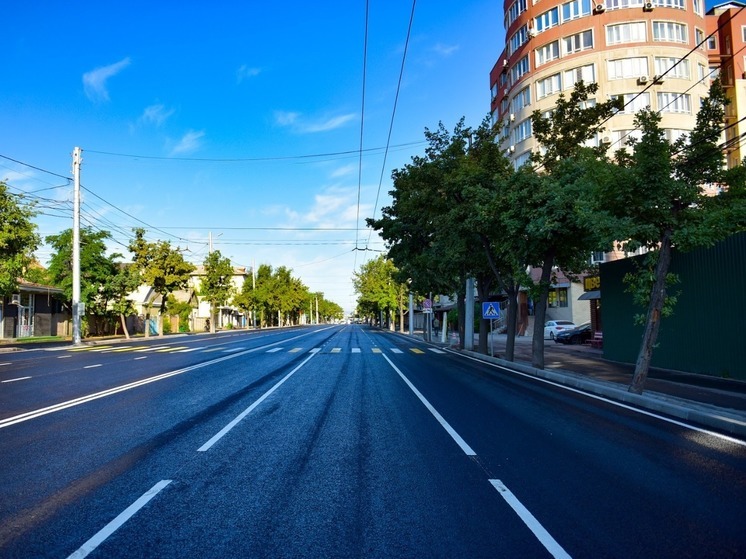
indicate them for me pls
(552, 327)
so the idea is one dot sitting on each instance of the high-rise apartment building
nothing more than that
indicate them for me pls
(659, 53)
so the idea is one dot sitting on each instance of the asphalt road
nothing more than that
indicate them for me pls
(343, 442)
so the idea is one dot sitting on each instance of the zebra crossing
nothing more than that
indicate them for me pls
(232, 349)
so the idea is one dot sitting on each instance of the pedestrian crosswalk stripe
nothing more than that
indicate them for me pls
(232, 349)
(336, 349)
(170, 349)
(355, 350)
(376, 350)
(396, 350)
(436, 350)
(189, 350)
(91, 348)
(274, 350)
(415, 350)
(296, 349)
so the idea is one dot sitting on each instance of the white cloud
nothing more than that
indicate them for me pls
(344, 171)
(306, 126)
(246, 72)
(189, 142)
(445, 50)
(156, 114)
(94, 82)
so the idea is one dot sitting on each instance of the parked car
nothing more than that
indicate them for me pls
(553, 327)
(577, 335)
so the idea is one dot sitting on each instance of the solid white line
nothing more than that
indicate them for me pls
(117, 523)
(450, 430)
(16, 379)
(220, 434)
(610, 401)
(530, 521)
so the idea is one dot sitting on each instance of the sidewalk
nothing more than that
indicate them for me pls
(709, 401)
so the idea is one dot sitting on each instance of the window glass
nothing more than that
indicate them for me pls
(627, 68)
(626, 33)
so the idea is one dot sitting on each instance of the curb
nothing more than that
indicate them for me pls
(726, 420)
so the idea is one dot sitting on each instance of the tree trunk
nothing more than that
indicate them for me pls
(461, 306)
(540, 311)
(652, 324)
(124, 326)
(213, 318)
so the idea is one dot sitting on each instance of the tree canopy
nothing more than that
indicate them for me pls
(18, 238)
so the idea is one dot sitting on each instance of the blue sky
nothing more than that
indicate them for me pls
(236, 119)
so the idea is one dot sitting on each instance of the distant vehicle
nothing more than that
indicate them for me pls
(577, 335)
(553, 327)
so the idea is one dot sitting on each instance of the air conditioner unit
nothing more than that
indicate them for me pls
(505, 63)
(15, 299)
(657, 80)
(511, 149)
(599, 8)
(531, 32)
(512, 117)
(647, 7)
(642, 80)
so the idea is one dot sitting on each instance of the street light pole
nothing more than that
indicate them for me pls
(77, 308)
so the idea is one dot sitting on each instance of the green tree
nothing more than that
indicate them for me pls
(18, 239)
(378, 290)
(96, 273)
(217, 283)
(660, 199)
(161, 267)
(120, 285)
(556, 209)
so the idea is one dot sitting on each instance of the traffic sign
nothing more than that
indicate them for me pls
(490, 310)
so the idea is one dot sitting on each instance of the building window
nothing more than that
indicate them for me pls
(547, 53)
(516, 9)
(620, 4)
(627, 68)
(678, 4)
(674, 103)
(522, 131)
(521, 100)
(548, 86)
(519, 70)
(672, 67)
(712, 43)
(576, 9)
(673, 134)
(585, 73)
(670, 31)
(557, 298)
(743, 33)
(578, 42)
(522, 159)
(626, 33)
(518, 39)
(699, 7)
(634, 102)
(621, 137)
(548, 19)
(699, 38)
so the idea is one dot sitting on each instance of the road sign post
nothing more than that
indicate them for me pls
(490, 311)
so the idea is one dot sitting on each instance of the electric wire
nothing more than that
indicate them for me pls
(362, 127)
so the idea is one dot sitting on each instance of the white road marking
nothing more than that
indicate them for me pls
(355, 350)
(274, 350)
(450, 430)
(143, 357)
(396, 350)
(188, 350)
(64, 356)
(530, 521)
(101, 536)
(220, 434)
(7, 422)
(435, 350)
(233, 349)
(15, 379)
(3, 364)
(93, 366)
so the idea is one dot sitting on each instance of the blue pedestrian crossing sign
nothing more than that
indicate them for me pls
(490, 310)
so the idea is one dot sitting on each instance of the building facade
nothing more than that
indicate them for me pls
(660, 53)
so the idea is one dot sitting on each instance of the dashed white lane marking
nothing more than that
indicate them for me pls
(143, 357)
(220, 434)
(15, 379)
(119, 521)
(530, 521)
(94, 366)
(450, 430)
(3, 364)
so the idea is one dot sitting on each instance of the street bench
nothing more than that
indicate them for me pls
(598, 340)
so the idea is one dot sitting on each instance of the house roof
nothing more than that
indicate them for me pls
(30, 287)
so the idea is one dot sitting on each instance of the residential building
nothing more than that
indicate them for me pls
(659, 53)
(35, 310)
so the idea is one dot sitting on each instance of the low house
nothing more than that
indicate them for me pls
(35, 310)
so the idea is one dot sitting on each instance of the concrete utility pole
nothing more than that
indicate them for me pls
(411, 313)
(77, 307)
(469, 319)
